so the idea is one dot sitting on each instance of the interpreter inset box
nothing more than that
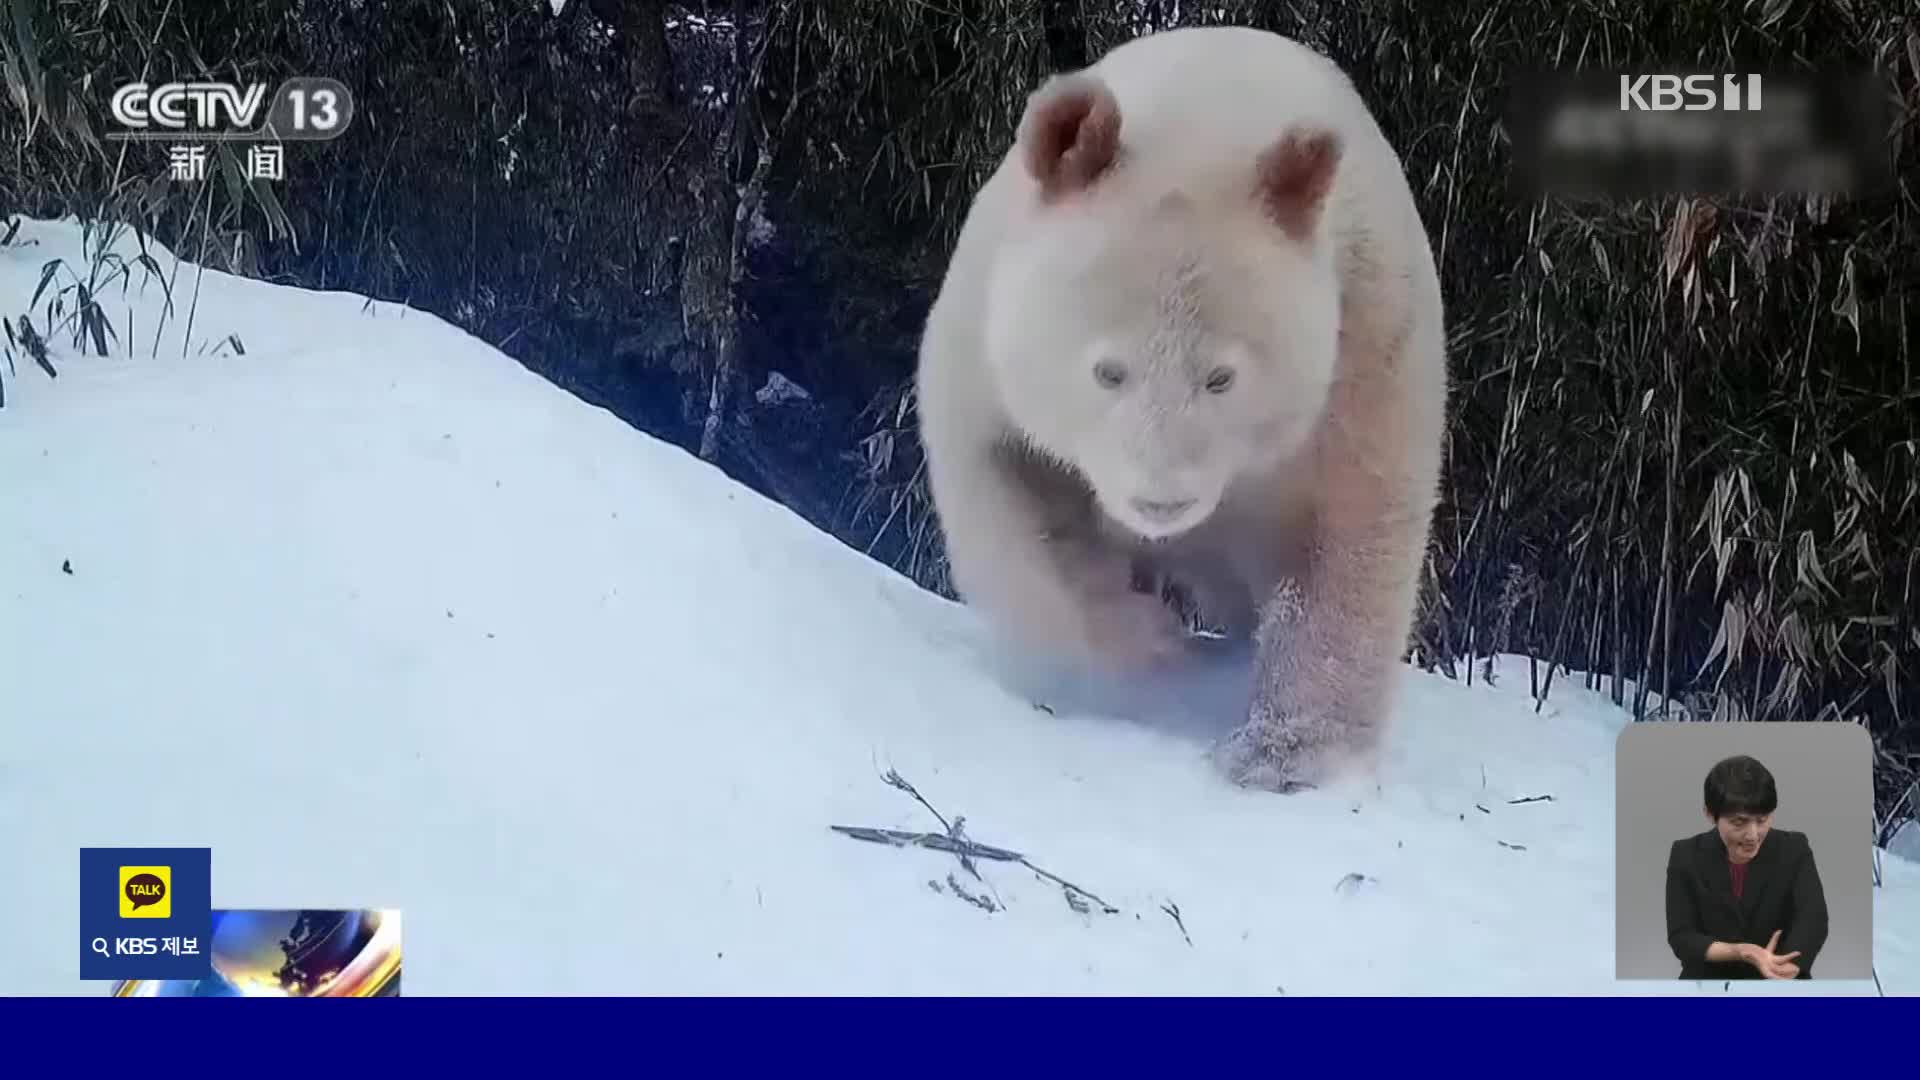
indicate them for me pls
(1743, 851)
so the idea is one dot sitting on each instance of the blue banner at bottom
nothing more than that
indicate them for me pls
(897, 1036)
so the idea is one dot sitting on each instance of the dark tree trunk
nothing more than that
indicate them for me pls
(1066, 33)
(641, 29)
(711, 300)
(706, 288)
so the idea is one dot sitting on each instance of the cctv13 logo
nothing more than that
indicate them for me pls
(146, 892)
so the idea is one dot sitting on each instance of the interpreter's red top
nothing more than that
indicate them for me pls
(1739, 877)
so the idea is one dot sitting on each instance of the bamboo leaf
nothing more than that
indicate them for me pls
(1719, 643)
(46, 278)
(25, 13)
(1890, 675)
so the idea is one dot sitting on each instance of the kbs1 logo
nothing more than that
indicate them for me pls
(1694, 93)
(1637, 134)
(191, 114)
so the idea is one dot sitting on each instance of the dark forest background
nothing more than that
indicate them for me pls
(1685, 448)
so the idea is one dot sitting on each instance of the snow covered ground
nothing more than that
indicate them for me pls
(388, 621)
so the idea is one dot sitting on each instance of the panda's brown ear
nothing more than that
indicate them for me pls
(1294, 176)
(1070, 135)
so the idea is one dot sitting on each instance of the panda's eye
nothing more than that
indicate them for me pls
(1109, 374)
(1219, 380)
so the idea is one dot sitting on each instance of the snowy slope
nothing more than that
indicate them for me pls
(388, 621)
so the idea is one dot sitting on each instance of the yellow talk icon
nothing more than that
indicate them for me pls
(146, 892)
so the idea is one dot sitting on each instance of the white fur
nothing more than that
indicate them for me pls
(1312, 476)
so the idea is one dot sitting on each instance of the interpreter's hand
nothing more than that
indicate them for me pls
(1769, 964)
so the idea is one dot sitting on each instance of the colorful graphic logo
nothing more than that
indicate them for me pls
(310, 952)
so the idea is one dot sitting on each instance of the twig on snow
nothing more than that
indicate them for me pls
(984, 903)
(1173, 910)
(955, 842)
(1351, 881)
(894, 780)
(936, 841)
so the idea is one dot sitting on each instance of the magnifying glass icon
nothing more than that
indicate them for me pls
(100, 946)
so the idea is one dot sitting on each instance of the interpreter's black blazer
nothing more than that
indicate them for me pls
(1782, 893)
